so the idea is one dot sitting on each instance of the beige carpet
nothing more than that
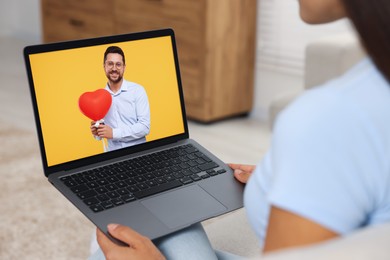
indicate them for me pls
(36, 222)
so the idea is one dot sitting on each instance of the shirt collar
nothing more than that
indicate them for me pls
(124, 87)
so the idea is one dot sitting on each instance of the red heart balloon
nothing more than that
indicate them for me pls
(95, 105)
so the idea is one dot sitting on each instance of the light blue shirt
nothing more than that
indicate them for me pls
(129, 116)
(330, 156)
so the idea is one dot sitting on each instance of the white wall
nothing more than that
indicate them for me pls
(21, 19)
(282, 38)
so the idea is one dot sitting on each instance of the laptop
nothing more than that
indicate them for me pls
(156, 187)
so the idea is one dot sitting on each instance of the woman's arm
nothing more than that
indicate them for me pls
(286, 229)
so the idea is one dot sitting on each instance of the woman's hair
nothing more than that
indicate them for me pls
(371, 19)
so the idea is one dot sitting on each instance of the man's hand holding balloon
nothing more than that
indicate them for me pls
(102, 130)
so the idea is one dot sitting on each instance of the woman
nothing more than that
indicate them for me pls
(328, 170)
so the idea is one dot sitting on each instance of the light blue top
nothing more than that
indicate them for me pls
(329, 160)
(129, 116)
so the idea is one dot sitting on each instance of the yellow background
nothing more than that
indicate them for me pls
(61, 77)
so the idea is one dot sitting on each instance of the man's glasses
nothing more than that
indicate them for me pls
(111, 65)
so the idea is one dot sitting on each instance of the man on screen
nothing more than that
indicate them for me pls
(128, 120)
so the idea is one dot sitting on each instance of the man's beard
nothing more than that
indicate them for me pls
(115, 80)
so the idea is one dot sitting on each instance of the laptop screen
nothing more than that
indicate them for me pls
(76, 104)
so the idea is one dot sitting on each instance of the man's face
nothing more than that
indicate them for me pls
(114, 67)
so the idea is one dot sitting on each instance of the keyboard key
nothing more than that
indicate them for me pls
(151, 183)
(140, 171)
(112, 179)
(65, 178)
(186, 180)
(101, 175)
(221, 171)
(96, 208)
(102, 197)
(117, 202)
(132, 188)
(149, 176)
(160, 180)
(80, 180)
(212, 172)
(142, 186)
(128, 198)
(200, 161)
(139, 179)
(191, 156)
(122, 176)
(121, 184)
(70, 183)
(195, 177)
(178, 175)
(123, 192)
(169, 178)
(101, 190)
(111, 187)
(102, 182)
(87, 194)
(131, 181)
(107, 204)
(91, 177)
(112, 194)
(192, 163)
(186, 172)
(91, 201)
(92, 185)
(208, 166)
(149, 168)
(79, 188)
(191, 150)
(195, 170)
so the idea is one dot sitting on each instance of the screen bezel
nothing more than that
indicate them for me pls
(50, 47)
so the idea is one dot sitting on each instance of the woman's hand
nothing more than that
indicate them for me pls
(140, 247)
(242, 172)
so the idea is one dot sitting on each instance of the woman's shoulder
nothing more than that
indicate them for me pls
(362, 90)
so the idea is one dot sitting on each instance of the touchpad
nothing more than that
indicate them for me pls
(184, 206)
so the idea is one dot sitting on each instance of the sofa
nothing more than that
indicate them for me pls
(233, 234)
(325, 59)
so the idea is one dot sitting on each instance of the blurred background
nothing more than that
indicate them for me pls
(273, 26)
(236, 58)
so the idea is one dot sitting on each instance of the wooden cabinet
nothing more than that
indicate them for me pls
(215, 41)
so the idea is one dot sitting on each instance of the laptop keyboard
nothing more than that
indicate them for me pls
(116, 184)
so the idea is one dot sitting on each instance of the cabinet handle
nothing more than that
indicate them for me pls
(76, 22)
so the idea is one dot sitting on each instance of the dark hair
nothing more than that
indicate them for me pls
(114, 49)
(372, 21)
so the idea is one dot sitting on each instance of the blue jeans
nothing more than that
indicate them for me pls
(190, 244)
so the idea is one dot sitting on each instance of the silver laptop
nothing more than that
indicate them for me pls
(158, 185)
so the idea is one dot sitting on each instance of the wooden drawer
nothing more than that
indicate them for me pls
(66, 20)
(193, 85)
(180, 12)
(186, 18)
